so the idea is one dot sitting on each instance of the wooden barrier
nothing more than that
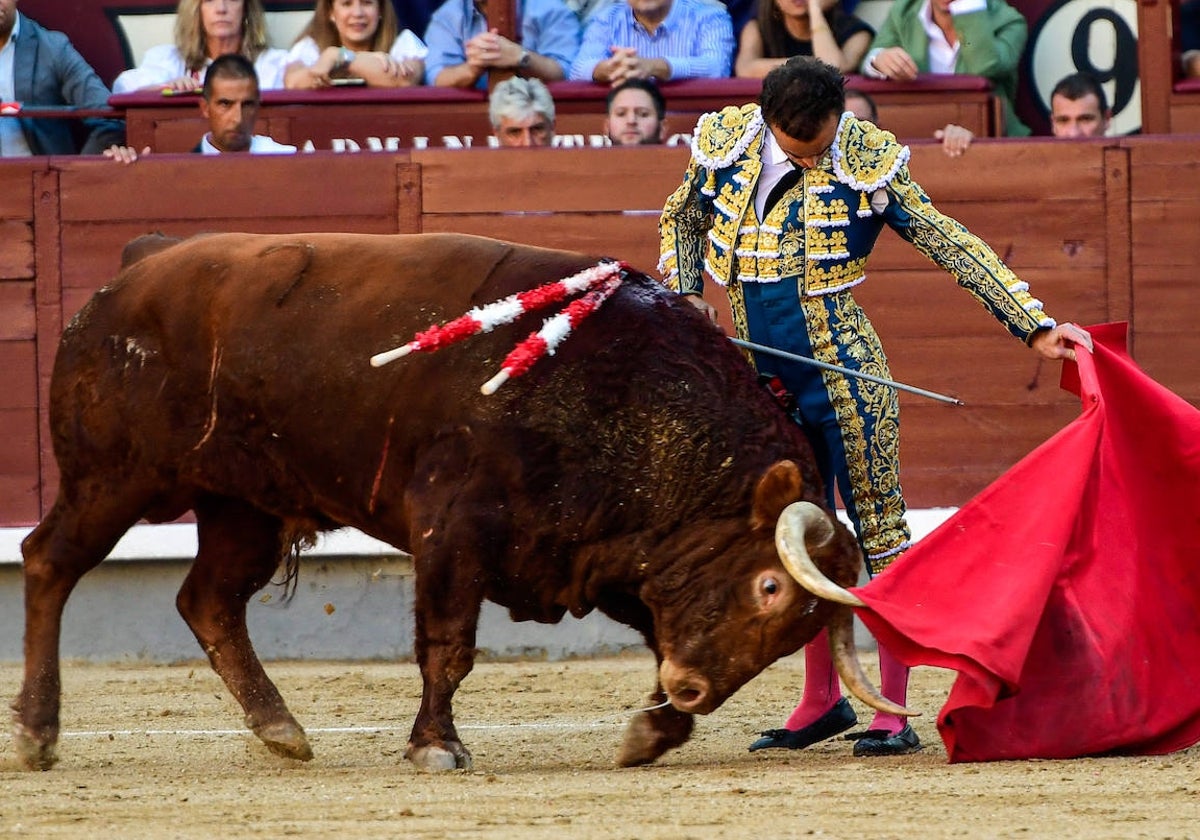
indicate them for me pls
(1102, 230)
(357, 118)
(1170, 105)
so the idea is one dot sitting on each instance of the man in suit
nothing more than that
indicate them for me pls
(40, 68)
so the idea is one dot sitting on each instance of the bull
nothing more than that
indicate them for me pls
(641, 471)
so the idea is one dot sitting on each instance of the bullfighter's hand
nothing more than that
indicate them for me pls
(1061, 341)
(703, 305)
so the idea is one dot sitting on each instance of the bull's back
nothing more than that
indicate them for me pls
(229, 344)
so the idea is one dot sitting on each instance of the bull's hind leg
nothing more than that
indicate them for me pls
(57, 553)
(240, 548)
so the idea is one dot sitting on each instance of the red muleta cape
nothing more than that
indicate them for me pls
(1067, 593)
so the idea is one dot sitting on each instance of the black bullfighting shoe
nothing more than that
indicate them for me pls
(838, 719)
(879, 742)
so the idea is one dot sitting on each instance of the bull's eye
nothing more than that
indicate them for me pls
(770, 586)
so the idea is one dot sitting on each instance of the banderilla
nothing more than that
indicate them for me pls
(783, 354)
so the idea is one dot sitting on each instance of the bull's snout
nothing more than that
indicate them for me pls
(687, 690)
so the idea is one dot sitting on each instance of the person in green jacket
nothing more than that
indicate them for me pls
(971, 37)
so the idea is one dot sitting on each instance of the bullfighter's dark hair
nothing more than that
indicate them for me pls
(660, 102)
(228, 66)
(799, 95)
(1078, 85)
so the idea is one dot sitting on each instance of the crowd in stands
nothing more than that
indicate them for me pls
(609, 42)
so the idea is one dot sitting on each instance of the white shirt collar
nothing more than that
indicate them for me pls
(942, 56)
(772, 152)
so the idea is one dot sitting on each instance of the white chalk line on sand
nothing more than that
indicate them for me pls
(332, 730)
(614, 720)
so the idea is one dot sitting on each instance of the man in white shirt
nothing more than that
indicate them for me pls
(230, 100)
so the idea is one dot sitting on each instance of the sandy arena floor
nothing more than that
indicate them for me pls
(158, 752)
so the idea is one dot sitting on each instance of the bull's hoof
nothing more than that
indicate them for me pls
(34, 753)
(285, 739)
(650, 734)
(434, 759)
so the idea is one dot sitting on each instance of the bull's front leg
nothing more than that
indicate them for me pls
(651, 733)
(449, 596)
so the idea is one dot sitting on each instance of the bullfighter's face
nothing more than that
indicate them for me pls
(808, 153)
(231, 110)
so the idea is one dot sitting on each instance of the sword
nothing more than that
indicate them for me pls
(783, 354)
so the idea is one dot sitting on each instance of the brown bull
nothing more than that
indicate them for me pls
(640, 471)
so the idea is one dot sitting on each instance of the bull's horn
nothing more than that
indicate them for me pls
(845, 659)
(802, 521)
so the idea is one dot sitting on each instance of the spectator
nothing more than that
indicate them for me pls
(955, 139)
(1189, 37)
(655, 39)
(785, 28)
(975, 37)
(1079, 108)
(462, 49)
(229, 101)
(637, 114)
(862, 105)
(358, 41)
(40, 67)
(205, 29)
(522, 113)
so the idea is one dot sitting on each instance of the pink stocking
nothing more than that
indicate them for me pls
(893, 682)
(821, 686)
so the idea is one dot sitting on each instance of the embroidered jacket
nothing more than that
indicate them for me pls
(820, 235)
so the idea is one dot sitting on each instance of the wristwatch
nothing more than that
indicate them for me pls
(524, 62)
(346, 57)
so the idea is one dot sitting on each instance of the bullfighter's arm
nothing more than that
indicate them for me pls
(683, 233)
(975, 266)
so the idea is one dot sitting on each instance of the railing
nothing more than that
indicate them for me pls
(347, 119)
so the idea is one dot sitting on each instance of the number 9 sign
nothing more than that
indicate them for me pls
(1092, 36)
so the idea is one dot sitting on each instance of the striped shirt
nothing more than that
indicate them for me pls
(695, 38)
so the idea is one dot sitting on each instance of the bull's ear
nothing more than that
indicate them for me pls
(780, 485)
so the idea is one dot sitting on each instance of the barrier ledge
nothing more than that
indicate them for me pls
(177, 541)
